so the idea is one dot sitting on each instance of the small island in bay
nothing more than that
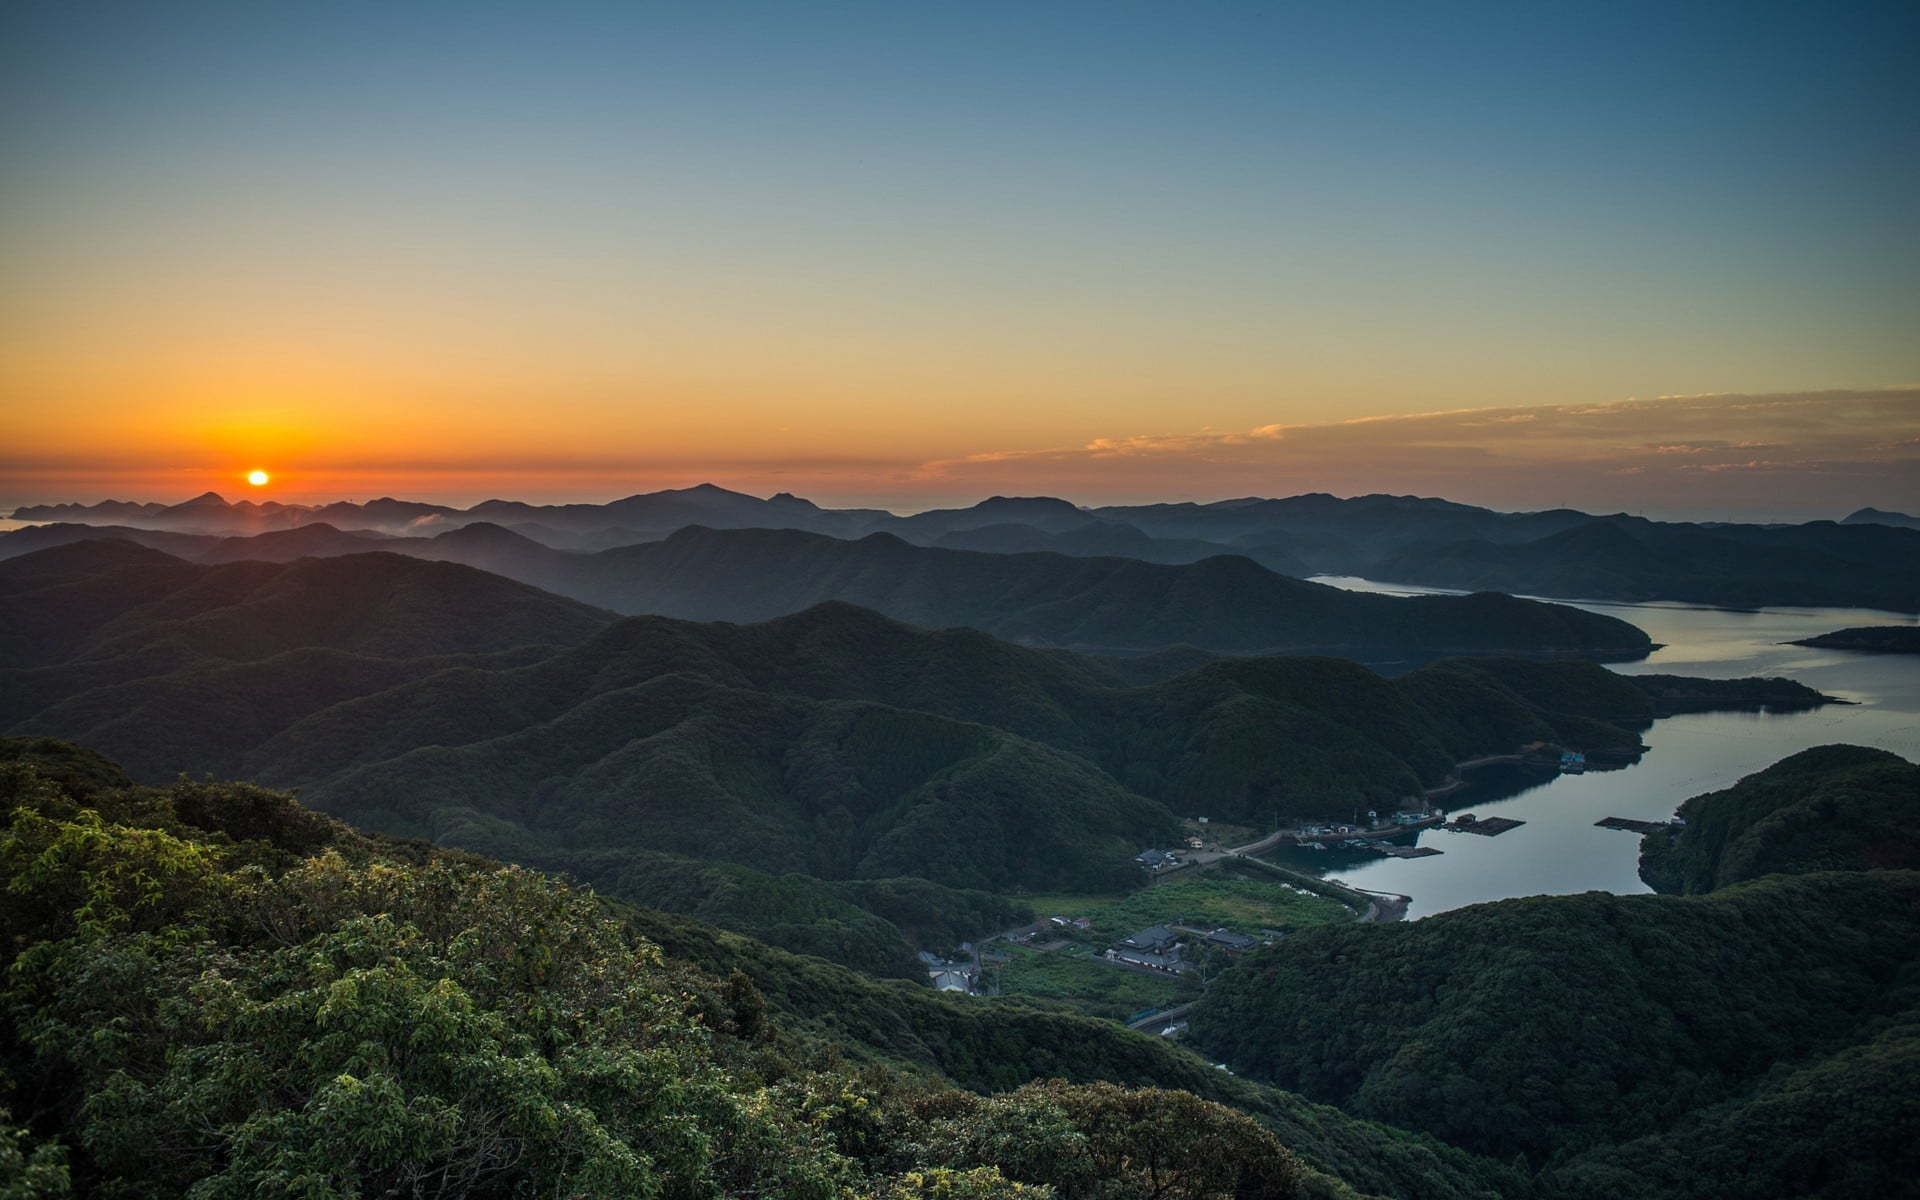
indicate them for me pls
(1679, 693)
(1876, 639)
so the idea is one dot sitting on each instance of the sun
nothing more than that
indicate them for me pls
(258, 478)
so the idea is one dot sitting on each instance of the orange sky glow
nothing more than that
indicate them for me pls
(908, 256)
(1811, 453)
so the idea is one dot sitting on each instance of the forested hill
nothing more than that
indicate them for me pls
(291, 1002)
(1226, 603)
(212, 991)
(101, 600)
(1828, 808)
(1550, 1025)
(1873, 639)
(1757, 1041)
(835, 742)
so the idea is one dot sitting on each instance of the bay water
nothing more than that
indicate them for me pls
(1560, 850)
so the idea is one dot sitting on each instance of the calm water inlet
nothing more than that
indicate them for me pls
(1559, 850)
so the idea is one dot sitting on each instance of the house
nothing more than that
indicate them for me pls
(1232, 943)
(1083, 922)
(1154, 860)
(1155, 940)
(1146, 958)
(949, 975)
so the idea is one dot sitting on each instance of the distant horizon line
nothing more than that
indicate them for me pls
(9, 509)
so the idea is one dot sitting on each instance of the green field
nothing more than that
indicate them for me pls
(1223, 897)
(1100, 988)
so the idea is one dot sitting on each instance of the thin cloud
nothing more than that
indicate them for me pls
(1667, 450)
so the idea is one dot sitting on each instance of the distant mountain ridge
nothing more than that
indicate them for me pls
(1875, 516)
(1865, 560)
(1226, 603)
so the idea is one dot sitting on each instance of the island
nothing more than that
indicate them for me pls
(1875, 639)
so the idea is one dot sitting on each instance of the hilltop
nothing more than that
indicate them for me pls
(1829, 808)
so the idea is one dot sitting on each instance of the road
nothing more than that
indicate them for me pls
(1381, 906)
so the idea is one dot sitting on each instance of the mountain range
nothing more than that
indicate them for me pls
(207, 981)
(433, 700)
(1867, 560)
(1226, 604)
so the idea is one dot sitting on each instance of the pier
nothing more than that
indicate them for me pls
(1633, 826)
(1490, 827)
(1402, 851)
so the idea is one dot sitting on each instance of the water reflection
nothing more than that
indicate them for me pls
(1559, 850)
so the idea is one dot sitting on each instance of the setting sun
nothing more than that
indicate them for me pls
(258, 478)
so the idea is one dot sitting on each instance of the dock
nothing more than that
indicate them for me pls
(1633, 826)
(1402, 851)
(1486, 826)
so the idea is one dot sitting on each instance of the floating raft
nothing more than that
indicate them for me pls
(1487, 826)
(1633, 826)
(1404, 851)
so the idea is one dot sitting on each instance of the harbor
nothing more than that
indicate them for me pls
(1376, 836)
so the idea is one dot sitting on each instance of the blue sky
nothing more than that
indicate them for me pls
(758, 239)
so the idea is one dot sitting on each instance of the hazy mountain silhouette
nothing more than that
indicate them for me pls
(1875, 516)
(1226, 603)
(1624, 558)
(1397, 538)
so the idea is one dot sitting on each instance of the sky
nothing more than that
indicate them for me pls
(1659, 258)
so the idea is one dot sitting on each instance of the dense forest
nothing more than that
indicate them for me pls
(1842, 808)
(209, 986)
(212, 990)
(1712, 1044)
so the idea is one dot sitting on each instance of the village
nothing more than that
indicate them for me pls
(1201, 904)
(1189, 918)
(1139, 958)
